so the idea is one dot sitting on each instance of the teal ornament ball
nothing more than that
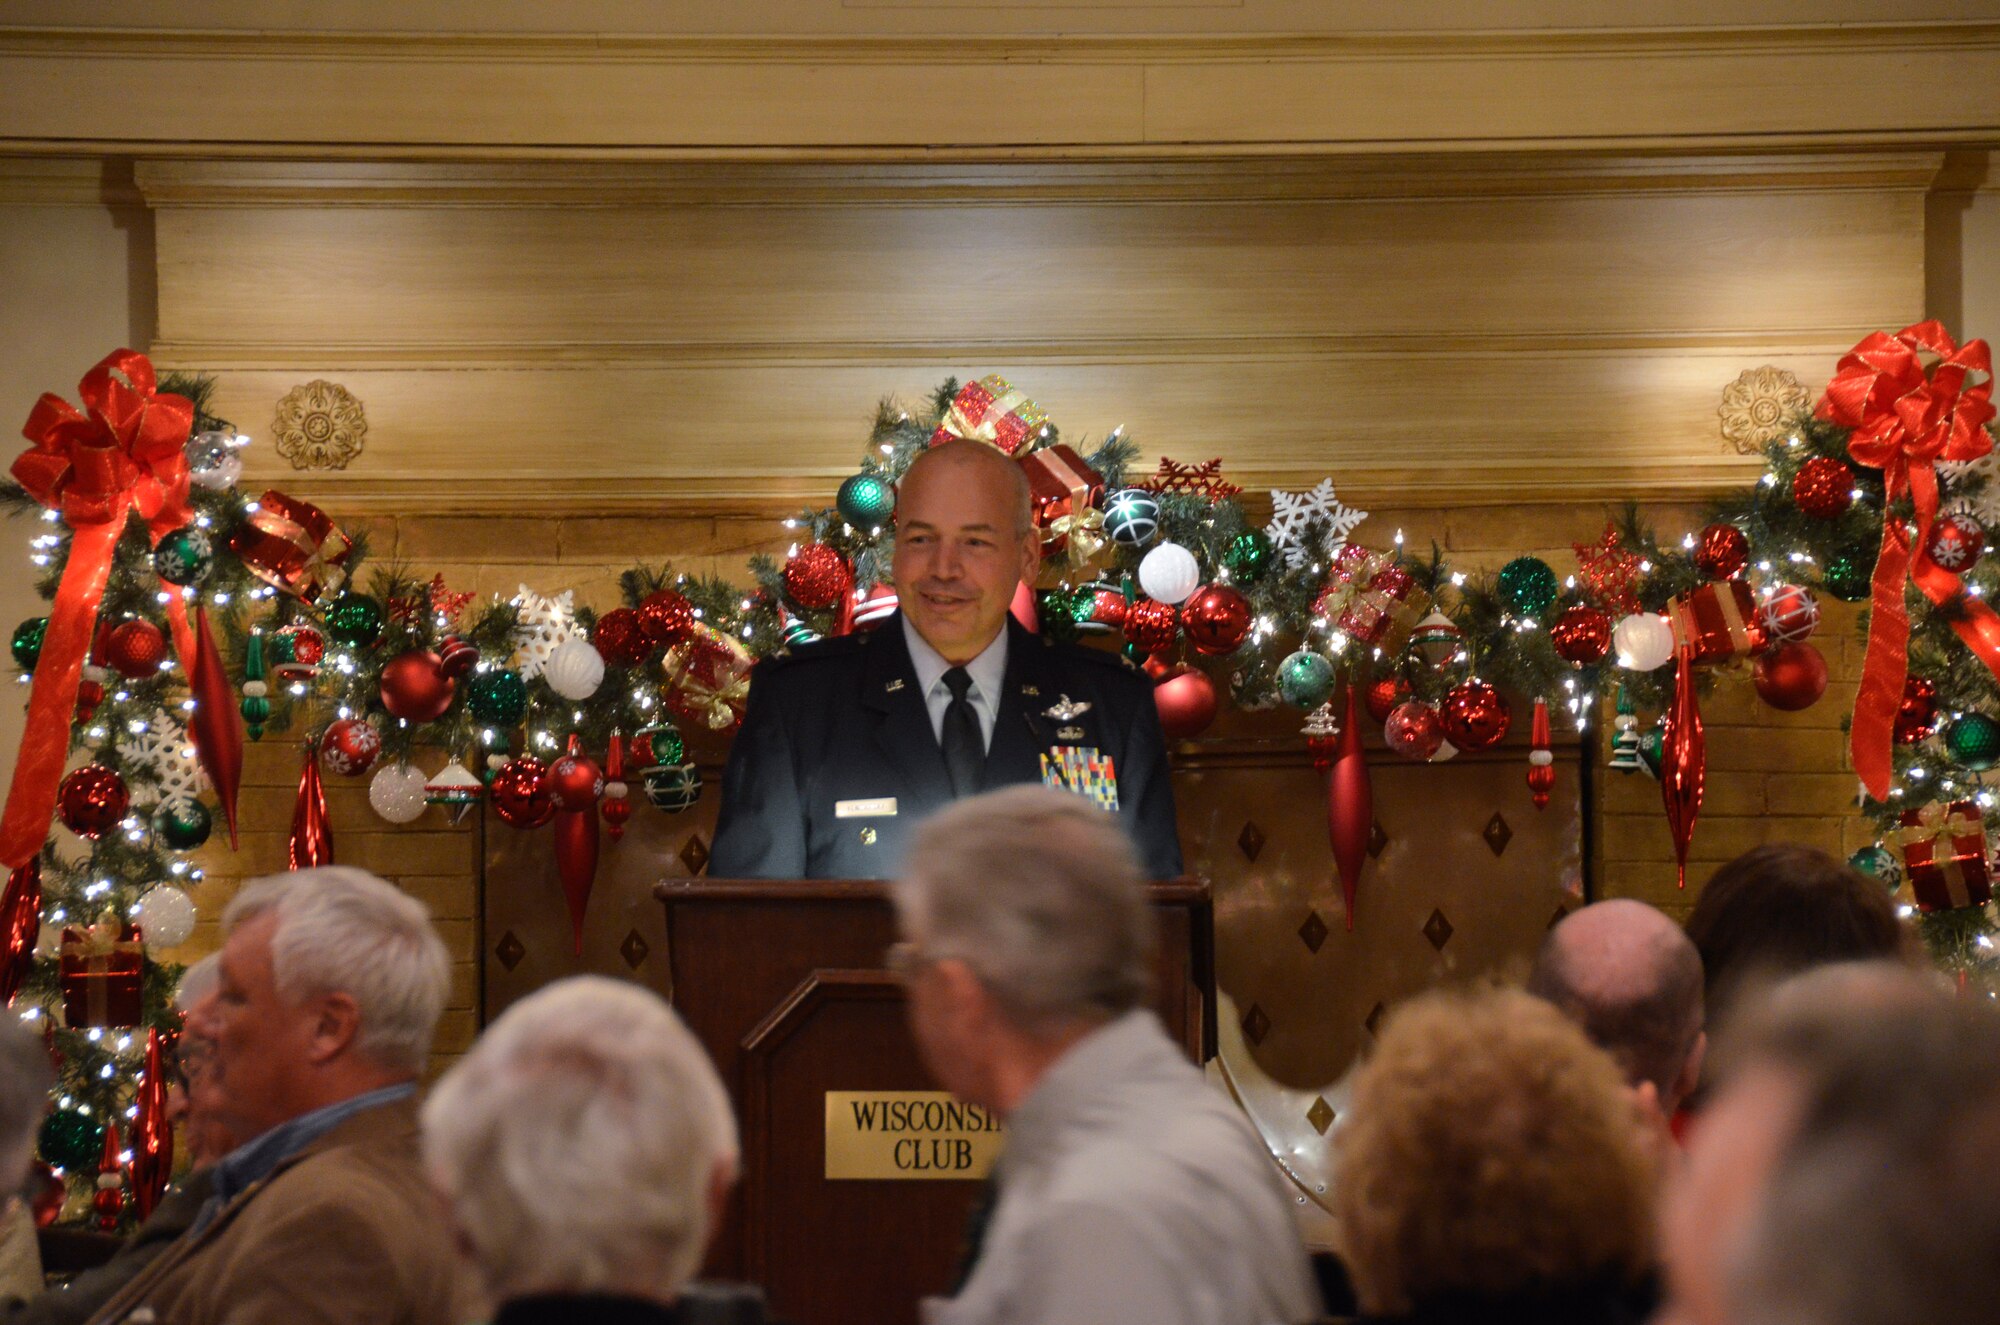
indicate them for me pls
(1879, 863)
(1248, 556)
(27, 643)
(71, 1139)
(497, 698)
(182, 823)
(354, 619)
(866, 501)
(1305, 679)
(1848, 577)
(1132, 517)
(184, 556)
(797, 632)
(673, 788)
(1974, 742)
(1528, 587)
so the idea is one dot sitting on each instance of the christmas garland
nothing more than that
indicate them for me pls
(546, 708)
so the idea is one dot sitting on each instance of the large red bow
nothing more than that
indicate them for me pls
(124, 454)
(1906, 417)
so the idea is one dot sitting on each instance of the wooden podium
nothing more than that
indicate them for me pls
(783, 983)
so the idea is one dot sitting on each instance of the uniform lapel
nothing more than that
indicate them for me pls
(902, 724)
(1021, 729)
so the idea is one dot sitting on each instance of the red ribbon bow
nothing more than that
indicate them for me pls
(123, 454)
(1905, 418)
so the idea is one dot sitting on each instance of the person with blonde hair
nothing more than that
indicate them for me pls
(1492, 1167)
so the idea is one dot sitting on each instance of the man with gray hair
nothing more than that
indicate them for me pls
(25, 1081)
(1128, 1191)
(1627, 974)
(585, 1148)
(330, 986)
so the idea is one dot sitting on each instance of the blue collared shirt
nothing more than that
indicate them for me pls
(255, 1160)
(988, 672)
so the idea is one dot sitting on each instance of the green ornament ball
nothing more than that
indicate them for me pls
(673, 788)
(1974, 742)
(1848, 577)
(498, 697)
(1653, 748)
(1528, 587)
(1057, 613)
(182, 824)
(1879, 863)
(798, 632)
(184, 556)
(1248, 556)
(71, 1139)
(1132, 517)
(1305, 679)
(354, 619)
(27, 644)
(866, 501)
(658, 744)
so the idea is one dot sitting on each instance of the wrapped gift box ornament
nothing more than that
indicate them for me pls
(1372, 599)
(993, 412)
(1717, 622)
(1944, 851)
(1067, 494)
(99, 970)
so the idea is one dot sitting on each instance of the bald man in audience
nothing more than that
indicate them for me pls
(1629, 976)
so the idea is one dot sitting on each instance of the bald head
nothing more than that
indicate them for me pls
(1632, 980)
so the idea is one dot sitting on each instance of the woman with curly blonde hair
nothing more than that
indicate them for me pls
(1493, 1168)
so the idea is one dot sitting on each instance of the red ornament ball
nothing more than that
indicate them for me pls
(1918, 716)
(415, 688)
(575, 782)
(1823, 488)
(1721, 551)
(666, 616)
(1791, 677)
(520, 793)
(1217, 619)
(1186, 701)
(1383, 695)
(620, 635)
(457, 657)
(1581, 635)
(1957, 540)
(1414, 730)
(1151, 625)
(91, 800)
(1789, 614)
(135, 649)
(816, 576)
(350, 746)
(1107, 608)
(1475, 716)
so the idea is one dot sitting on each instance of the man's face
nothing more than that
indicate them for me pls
(959, 553)
(1736, 1145)
(258, 1045)
(938, 994)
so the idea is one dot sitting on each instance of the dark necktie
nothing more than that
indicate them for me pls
(964, 750)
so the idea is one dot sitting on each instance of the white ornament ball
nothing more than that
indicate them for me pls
(1169, 573)
(397, 793)
(213, 463)
(164, 915)
(1643, 641)
(575, 669)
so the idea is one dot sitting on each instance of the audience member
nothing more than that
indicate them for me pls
(585, 1148)
(1129, 1191)
(1783, 908)
(1886, 1208)
(331, 983)
(1814, 1030)
(1632, 979)
(1492, 1168)
(25, 1079)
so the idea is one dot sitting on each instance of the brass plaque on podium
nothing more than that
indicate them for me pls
(908, 1135)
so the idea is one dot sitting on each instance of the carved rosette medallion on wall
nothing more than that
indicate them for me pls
(320, 425)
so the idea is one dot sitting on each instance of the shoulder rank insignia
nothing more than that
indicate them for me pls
(1067, 709)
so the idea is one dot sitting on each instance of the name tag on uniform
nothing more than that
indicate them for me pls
(881, 807)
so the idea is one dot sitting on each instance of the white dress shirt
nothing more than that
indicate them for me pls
(988, 672)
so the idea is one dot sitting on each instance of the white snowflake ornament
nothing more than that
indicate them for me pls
(161, 753)
(546, 624)
(1985, 507)
(1293, 512)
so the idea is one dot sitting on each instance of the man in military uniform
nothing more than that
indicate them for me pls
(849, 742)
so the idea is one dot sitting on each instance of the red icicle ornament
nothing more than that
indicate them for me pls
(1683, 761)
(615, 807)
(1541, 759)
(20, 925)
(311, 843)
(216, 727)
(1350, 802)
(576, 857)
(152, 1131)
